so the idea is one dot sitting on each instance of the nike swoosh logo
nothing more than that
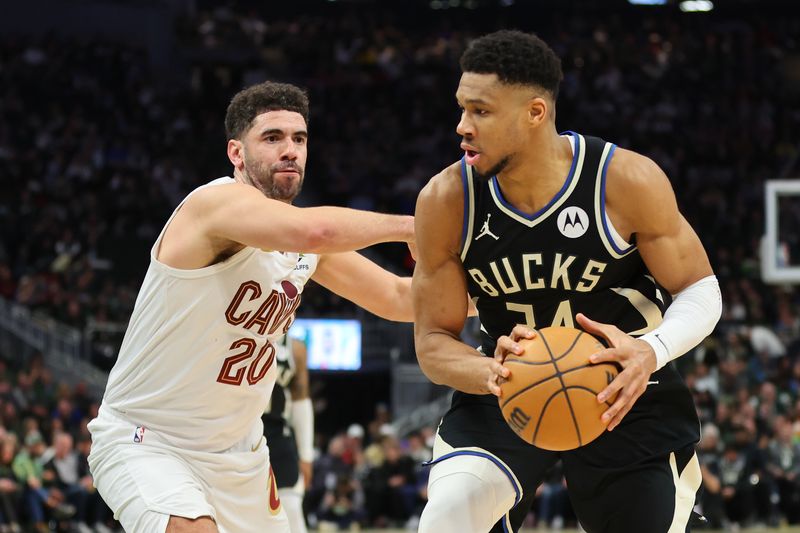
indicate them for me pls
(257, 446)
(274, 499)
(662, 342)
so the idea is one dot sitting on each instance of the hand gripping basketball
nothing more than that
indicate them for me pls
(637, 359)
(550, 399)
(507, 344)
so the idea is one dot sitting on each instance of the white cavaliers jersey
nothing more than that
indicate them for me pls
(197, 364)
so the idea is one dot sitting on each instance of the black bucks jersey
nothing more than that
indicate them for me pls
(543, 268)
(276, 416)
(283, 455)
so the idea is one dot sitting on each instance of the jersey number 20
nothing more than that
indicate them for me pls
(233, 373)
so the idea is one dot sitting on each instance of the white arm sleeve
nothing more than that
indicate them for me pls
(690, 319)
(303, 425)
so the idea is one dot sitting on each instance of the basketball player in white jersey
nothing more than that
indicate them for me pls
(178, 443)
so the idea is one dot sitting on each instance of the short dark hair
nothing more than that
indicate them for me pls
(247, 104)
(516, 58)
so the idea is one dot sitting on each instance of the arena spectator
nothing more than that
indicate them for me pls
(42, 499)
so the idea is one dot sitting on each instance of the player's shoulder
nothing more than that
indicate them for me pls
(638, 191)
(438, 215)
(219, 191)
(222, 197)
(446, 186)
(629, 170)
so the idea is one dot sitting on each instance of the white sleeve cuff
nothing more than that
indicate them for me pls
(690, 319)
(303, 425)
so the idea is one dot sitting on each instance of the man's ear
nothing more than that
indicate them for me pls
(538, 109)
(236, 153)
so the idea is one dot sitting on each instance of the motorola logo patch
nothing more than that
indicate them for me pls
(573, 222)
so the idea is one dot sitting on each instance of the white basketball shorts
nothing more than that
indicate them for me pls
(144, 480)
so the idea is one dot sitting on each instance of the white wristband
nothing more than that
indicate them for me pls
(688, 320)
(303, 424)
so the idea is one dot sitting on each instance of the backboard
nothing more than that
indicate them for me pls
(780, 247)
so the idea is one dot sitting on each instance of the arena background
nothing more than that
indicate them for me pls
(111, 111)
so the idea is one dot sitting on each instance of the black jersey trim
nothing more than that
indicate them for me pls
(555, 198)
(466, 202)
(560, 197)
(604, 218)
(466, 224)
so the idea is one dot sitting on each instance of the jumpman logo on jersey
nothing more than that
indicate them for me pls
(485, 229)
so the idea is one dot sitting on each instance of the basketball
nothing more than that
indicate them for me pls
(550, 398)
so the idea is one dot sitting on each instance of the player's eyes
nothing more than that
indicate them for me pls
(473, 111)
(272, 138)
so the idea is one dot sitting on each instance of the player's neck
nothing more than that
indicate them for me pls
(538, 173)
(239, 176)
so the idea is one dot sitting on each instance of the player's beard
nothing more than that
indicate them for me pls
(494, 171)
(263, 178)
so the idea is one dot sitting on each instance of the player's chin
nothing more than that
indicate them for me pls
(482, 170)
(286, 194)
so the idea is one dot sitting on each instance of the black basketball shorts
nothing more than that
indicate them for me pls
(284, 459)
(615, 485)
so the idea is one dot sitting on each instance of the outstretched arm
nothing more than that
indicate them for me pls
(242, 214)
(356, 278)
(371, 287)
(216, 222)
(440, 308)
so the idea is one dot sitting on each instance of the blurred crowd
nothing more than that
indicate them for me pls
(96, 149)
(45, 484)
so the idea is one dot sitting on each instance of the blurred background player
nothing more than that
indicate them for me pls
(289, 429)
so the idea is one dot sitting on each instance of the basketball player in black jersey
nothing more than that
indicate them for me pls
(556, 229)
(289, 429)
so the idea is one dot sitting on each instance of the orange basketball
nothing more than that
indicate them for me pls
(550, 399)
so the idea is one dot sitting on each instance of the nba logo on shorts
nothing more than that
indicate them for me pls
(138, 435)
